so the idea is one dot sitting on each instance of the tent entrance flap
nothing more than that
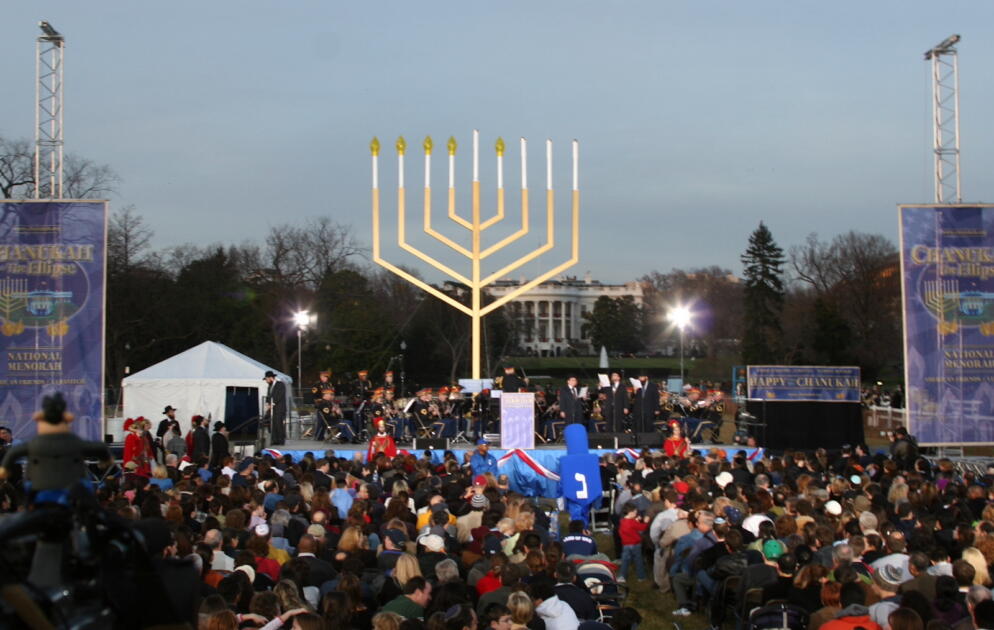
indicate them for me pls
(241, 411)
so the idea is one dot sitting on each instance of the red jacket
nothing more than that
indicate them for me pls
(631, 530)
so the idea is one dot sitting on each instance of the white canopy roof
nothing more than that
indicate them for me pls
(194, 382)
(208, 361)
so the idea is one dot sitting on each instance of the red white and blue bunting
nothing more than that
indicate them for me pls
(529, 461)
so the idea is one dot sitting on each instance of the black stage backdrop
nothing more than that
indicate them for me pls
(808, 425)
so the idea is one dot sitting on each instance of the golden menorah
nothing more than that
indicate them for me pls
(476, 252)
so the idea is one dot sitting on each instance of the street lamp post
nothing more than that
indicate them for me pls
(302, 319)
(680, 316)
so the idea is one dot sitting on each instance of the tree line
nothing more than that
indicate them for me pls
(820, 302)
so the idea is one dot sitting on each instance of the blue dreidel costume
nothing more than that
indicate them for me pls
(580, 474)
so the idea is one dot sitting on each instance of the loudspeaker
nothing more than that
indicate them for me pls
(421, 444)
(605, 441)
(652, 439)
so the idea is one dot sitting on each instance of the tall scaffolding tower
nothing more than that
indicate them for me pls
(945, 119)
(50, 49)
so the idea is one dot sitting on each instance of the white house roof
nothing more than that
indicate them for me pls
(208, 361)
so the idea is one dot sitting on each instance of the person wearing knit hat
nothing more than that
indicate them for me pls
(479, 502)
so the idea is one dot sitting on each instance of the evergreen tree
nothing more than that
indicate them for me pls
(763, 298)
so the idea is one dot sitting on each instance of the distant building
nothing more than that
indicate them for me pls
(549, 318)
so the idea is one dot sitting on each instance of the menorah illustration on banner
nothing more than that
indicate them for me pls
(476, 252)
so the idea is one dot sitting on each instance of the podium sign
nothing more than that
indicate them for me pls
(517, 420)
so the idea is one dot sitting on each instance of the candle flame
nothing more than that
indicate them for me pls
(401, 145)
(452, 145)
(428, 144)
(374, 146)
(500, 147)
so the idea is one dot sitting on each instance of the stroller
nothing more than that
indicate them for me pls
(599, 579)
(778, 617)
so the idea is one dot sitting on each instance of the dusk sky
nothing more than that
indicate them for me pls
(696, 120)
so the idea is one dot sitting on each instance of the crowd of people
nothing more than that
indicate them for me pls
(385, 541)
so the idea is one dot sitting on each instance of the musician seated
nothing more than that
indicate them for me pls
(443, 424)
(346, 432)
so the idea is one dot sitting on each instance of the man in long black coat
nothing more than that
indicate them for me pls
(276, 404)
(645, 406)
(201, 440)
(615, 408)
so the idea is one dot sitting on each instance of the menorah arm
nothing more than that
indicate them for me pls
(513, 237)
(504, 299)
(452, 211)
(500, 211)
(550, 242)
(421, 284)
(403, 244)
(439, 236)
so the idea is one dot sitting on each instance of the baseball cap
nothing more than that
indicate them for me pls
(432, 542)
(479, 480)
(396, 536)
(772, 549)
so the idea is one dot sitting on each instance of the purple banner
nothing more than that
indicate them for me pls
(947, 268)
(52, 281)
(517, 420)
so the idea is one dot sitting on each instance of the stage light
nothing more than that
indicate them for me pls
(49, 32)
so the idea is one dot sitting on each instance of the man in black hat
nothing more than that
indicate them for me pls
(276, 408)
(645, 406)
(163, 429)
(219, 445)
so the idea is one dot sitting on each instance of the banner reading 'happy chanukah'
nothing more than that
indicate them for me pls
(52, 278)
(947, 268)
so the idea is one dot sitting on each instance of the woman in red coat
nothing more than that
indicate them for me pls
(677, 445)
(135, 449)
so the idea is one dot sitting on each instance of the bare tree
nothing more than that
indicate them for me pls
(855, 277)
(129, 241)
(82, 178)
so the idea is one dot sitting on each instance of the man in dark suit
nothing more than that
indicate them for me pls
(512, 382)
(645, 407)
(276, 408)
(201, 440)
(614, 409)
(320, 571)
(570, 403)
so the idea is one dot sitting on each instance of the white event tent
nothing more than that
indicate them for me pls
(194, 382)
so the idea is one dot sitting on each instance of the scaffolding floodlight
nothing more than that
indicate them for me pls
(945, 119)
(50, 54)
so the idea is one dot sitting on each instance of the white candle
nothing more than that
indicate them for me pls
(400, 170)
(500, 171)
(452, 171)
(427, 170)
(476, 155)
(548, 164)
(376, 172)
(524, 164)
(576, 167)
